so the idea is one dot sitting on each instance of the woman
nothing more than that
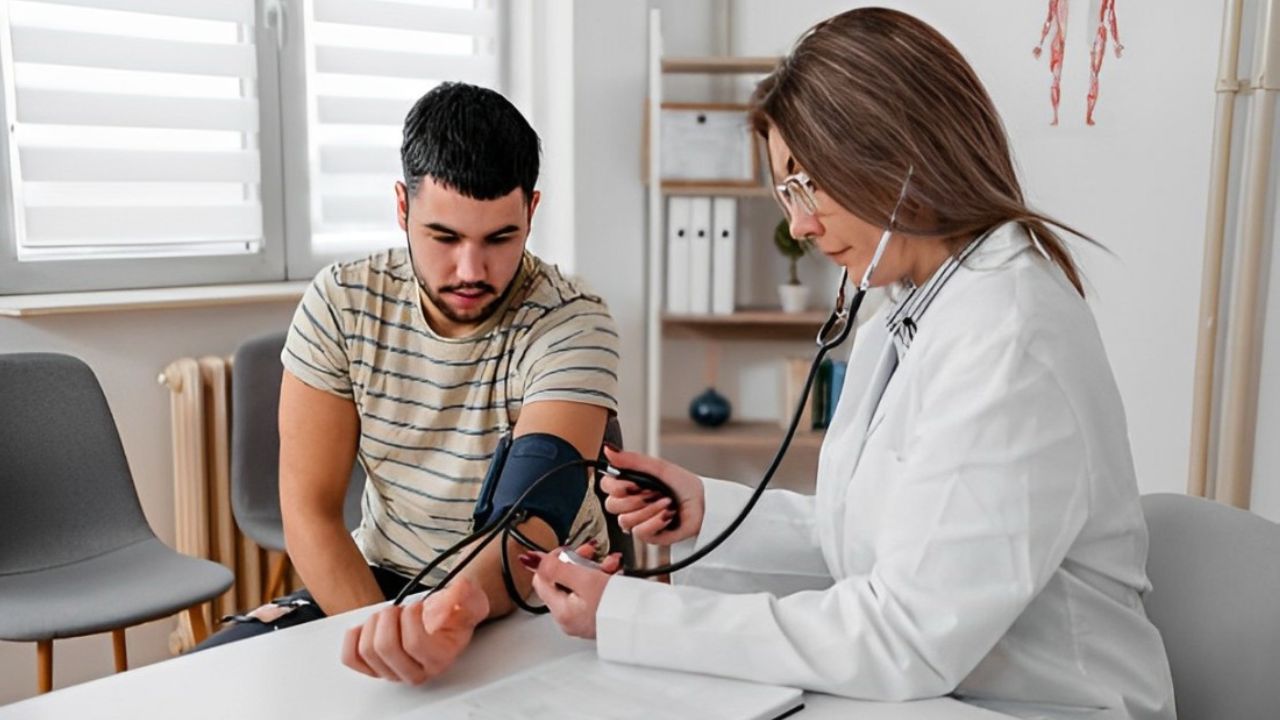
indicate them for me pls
(976, 530)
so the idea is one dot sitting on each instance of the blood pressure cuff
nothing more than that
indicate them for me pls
(516, 466)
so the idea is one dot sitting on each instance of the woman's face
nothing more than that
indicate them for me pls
(846, 239)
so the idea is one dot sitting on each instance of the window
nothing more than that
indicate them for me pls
(364, 64)
(150, 143)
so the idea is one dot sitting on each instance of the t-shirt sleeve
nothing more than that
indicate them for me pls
(572, 354)
(316, 350)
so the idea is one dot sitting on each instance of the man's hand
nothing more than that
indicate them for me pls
(415, 642)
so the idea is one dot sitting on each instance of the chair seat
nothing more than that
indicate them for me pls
(139, 582)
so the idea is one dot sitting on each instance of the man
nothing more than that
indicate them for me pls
(417, 360)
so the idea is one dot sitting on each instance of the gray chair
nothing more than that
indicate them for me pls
(77, 556)
(255, 452)
(1215, 574)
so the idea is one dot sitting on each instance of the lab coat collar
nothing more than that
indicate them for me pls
(1003, 244)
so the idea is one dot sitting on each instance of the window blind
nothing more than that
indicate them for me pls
(366, 62)
(134, 128)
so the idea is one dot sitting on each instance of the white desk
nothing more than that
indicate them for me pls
(295, 673)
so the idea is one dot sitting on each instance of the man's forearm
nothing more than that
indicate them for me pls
(486, 570)
(331, 565)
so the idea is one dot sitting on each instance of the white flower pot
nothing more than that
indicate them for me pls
(795, 298)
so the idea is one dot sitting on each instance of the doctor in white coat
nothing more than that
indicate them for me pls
(976, 530)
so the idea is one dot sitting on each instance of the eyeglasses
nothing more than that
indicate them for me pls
(797, 194)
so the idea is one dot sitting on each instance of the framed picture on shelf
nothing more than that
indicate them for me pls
(708, 145)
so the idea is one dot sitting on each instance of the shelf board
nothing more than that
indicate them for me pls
(749, 434)
(719, 65)
(714, 189)
(749, 324)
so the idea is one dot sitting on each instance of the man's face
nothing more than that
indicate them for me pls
(465, 251)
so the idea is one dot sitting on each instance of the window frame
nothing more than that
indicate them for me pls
(288, 251)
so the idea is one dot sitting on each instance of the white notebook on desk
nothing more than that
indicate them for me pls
(582, 687)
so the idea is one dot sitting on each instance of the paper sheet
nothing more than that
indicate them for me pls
(581, 687)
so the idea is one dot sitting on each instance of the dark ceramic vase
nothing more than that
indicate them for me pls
(710, 409)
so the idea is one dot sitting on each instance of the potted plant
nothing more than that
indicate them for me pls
(793, 295)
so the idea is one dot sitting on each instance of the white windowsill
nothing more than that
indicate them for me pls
(21, 306)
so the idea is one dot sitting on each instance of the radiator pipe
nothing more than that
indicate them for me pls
(1234, 478)
(1227, 88)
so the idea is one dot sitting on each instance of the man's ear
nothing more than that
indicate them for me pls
(402, 205)
(533, 205)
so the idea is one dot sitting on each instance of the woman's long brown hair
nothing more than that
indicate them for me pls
(870, 92)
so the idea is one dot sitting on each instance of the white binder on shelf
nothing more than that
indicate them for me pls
(700, 256)
(678, 209)
(724, 255)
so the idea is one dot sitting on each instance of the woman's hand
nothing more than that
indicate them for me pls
(415, 642)
(572, 592)
(645, 514)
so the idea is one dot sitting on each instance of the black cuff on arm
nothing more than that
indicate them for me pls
(517, 465)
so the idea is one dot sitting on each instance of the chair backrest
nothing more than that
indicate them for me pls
(255, 442)
(1215, 575)
(618, 540)
(66, 493)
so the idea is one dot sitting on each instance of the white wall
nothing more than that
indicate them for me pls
(610, 77)
(127, 351)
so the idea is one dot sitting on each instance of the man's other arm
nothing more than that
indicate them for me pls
(318, 438)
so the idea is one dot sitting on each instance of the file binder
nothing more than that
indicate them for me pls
(678, 217)
(724, 225)
(700, 256)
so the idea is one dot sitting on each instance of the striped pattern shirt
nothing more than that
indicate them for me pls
(432, 408)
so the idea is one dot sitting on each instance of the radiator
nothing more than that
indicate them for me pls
(200, 417)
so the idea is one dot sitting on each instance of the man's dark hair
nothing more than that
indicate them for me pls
(471, 139)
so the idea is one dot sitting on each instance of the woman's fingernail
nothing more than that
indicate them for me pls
(529, 560)
(592, 542)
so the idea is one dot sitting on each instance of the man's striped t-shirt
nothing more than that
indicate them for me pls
(432, 408)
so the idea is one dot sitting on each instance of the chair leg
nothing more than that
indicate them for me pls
(276, 582)
(44, 665)
(199, 630)
(121, 651)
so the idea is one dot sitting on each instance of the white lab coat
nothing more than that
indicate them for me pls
(975, 532)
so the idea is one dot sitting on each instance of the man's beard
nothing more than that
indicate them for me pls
(475, 317)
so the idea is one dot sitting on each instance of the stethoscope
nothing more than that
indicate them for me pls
(833, 332)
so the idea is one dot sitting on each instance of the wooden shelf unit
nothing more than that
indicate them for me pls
(745, 325)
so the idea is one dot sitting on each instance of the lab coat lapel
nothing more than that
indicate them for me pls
(844, 444)
(871, 400)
